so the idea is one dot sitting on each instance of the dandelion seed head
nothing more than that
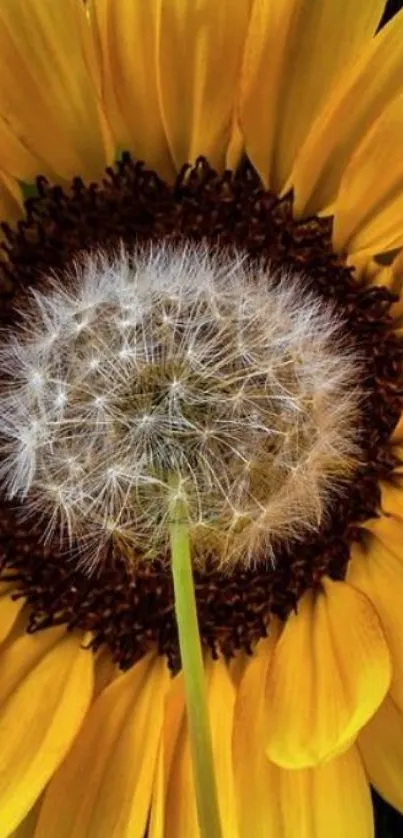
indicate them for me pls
(177, 366)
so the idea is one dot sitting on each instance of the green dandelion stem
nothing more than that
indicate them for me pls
(193, 674)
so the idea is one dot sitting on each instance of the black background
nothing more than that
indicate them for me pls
(392, 6)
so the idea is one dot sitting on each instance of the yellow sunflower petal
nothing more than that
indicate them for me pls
(50, 106)
(378, 571)
(254, 774)
(369, 206)
(103, 789)
(16, 157)
(327, 801)
(237, 666)
(127, 34)
(397, 435)
(322, 802)
(354, 105)
(377, 272)
(180, 805)
(174, 808)
(161, 61)
(381, 746)
(26, 828)
(294, 54)
(157, 817)
(11, 200)
(199, 62)
(329, 673)
(9, 609)
(397, 273)
(21, 657)
(105, 671)
(251, 701)
(173, 716)
(39, 716)
(398, 450)
(392, 500)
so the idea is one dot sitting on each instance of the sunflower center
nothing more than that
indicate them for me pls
(270, 383)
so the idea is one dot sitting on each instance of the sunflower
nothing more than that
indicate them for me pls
(253, 148)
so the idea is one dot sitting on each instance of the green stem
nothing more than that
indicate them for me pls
(193, 674)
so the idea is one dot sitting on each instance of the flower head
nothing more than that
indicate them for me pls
(178, 369)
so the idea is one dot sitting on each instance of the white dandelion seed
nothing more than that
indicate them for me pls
(177, 362)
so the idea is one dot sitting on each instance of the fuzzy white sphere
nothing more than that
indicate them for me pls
(176, 366)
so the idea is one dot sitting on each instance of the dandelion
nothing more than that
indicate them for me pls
(200, 418)
(176, 366)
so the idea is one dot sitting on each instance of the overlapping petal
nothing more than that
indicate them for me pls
(254, 774)
(45, 690)
(51, 120)
(9, 609)
(26, 829)
(397, 436)
(327, 801)
(327, 677)
(377, 570)
(199, 62)
(369, 205)
(381, 747)
(174, 807)
(166, 94)
(295, 53)
(392, 499)
(127, 36)
(103, 789)
(363, 92)
(11, 200)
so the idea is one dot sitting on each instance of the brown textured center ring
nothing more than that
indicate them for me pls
(129, 605)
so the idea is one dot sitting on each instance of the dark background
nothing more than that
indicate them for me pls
(392, 6)
(389, 824)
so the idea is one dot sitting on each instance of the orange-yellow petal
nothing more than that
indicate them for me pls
(398, 451)
(397, 436)
(329, 673)
(199, 62)
(51, 120)
(379, 270)
(397, 278)
(103, 789)
(363, 92)
(161, 61)
(127, 34)
(392, 499)
(295, 52)
(105, 671)
(381, 746)
(9, 609)
(26, 828)
(172, 721)
(378, 571)
(328, 801)
(254, 774)
(369, 206)
(46, 688)
(11, 200)
(174, 808)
